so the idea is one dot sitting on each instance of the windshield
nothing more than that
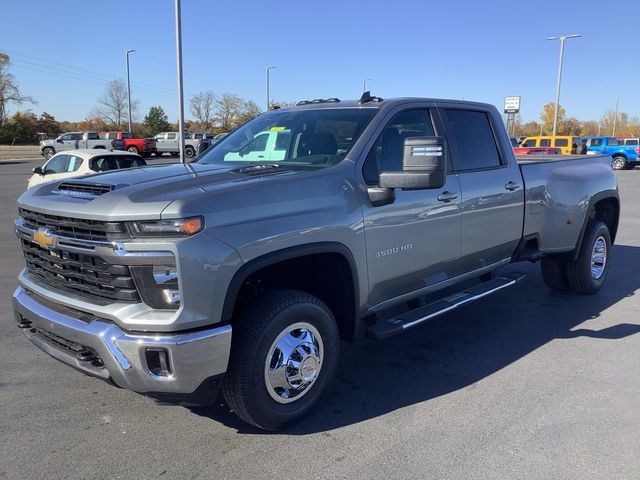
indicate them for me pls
(299, 138)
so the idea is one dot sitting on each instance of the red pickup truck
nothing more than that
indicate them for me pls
(143, 146)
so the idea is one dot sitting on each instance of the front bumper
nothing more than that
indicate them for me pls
(100, 348)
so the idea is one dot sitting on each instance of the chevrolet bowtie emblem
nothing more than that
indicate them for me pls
(44, 239)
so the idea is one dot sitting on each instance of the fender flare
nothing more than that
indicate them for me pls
(595, 199)
(278, 256)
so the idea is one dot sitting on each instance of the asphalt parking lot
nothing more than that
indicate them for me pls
(526, 384)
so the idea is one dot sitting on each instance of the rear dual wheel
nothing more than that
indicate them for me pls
(588, 272)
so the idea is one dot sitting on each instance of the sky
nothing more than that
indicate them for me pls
(63, 52)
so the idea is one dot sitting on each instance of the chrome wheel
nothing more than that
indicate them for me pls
(598, 257)
(293, 362)
(619, 163)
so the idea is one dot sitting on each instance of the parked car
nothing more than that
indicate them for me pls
(73, 163)
(622, 156)
(74, 141)
(143, 146)
(167, 142)
(567, 144)
(246, 275)
(537, 151)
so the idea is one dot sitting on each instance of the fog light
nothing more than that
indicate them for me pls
(158, 362)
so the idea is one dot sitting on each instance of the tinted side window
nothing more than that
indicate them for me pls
(386, 154)
(596, 142)
(57, 164)
(612, 141)
(561, 142)
(531, 142)
(631, 141)
(471, 140)
(545, 142)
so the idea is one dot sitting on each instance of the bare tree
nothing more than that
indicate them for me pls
(202, 107)
(113, 105)
(250, 110)
(228, 110)
(9, 91)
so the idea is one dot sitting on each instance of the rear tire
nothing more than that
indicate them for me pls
(554, 273)
(132, 149)
(589, 271)
(284, 354)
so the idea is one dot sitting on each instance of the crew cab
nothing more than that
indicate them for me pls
(74, 141)
(623, 157)
(168, 142)
(380, 215)
(142, 146)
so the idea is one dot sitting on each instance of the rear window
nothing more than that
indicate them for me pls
(115, 162)
(471, 140)
(631, 141)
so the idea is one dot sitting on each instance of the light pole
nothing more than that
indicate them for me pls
(129, 89)
(364, 84)
(180, 91)
(268, 68)
(562, 38)
(615, 118)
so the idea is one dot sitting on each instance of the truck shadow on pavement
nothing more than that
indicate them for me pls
(460, 348)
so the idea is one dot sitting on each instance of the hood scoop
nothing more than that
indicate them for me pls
(84, 190)
(260, 169)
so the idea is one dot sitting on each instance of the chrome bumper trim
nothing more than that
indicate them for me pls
(194, 356)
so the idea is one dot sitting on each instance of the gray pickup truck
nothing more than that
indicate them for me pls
(76, 141)
(175, 280)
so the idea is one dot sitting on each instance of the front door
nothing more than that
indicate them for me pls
(413, 242)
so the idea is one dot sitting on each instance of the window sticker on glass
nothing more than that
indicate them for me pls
(277, 129)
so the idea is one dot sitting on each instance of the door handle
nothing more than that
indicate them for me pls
(447, 196)
(511, 186)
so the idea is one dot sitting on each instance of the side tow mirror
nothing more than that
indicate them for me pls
(423, 165)
(38, 171)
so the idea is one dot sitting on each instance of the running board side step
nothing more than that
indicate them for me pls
(392, 326)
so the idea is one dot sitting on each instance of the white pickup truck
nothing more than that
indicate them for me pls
(167, 142)
(75, 141)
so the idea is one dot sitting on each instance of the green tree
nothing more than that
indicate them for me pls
(546, 117)
(21, 128)
(156, 120)
(48, 126)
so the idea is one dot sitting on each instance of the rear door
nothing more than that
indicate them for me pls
(491, 187)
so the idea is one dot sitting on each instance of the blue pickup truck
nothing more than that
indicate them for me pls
(623, 156)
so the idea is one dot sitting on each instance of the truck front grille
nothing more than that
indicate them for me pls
(83, 274)
(73, 227)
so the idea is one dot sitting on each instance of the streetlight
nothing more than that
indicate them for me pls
(180, 91)
(129, 89)
(615, 118)
(268, 68)
(562, 38)
(364, 84)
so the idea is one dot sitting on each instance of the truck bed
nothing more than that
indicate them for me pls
(555, 186)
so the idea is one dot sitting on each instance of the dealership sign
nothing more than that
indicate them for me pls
(511, 104)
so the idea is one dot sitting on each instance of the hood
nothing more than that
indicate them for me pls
(140, 193)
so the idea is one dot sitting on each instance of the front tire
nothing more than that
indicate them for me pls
(619, 162)
(589, 271)
(284, 354)
(132, 149)
(48, 152)
(189, 152)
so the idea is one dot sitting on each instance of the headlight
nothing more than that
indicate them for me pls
(157, 285)
(158, 228)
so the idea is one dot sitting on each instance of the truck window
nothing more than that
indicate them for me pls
(92, 136)
(531, 142)
(73, 164)
(471, 140)
(561, 142)
(115, 162)
(386, 154)
(595, 142)
(171, 136)
(545, 142)
(611, 141)
(631, 141)
(57, 164)
(68, 136)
